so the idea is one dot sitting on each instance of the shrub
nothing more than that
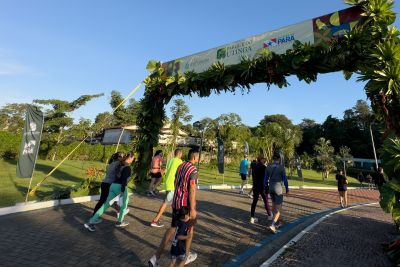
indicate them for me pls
(9, 145)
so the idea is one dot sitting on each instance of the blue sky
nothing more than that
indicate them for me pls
(63, 49)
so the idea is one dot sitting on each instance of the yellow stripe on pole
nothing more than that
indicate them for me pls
(62, 161)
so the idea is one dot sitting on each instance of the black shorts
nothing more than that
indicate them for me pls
(342, 188)
(175, 219)
(156, 175)
(244, 176)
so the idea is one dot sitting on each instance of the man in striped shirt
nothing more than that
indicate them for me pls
(184, 196)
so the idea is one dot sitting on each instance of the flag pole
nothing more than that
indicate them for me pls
(34, 165)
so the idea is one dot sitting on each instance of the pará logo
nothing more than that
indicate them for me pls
(281, 40)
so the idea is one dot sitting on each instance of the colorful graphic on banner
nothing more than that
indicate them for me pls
(335, 25)
(30, 142)
(318, 30)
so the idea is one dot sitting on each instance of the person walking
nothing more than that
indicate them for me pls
(172, 167)
(118, 187)
(258, 189)
(243, 171)
(252, 166)
(184, 196)
(178, 246)
(155, 172)
(380, 177)
(342, 188)
(369, 182)
(361, 178)
(115, 160)
(275, 175)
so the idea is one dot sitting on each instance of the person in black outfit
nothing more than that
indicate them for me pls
(379, 177)
(258, 188)
(252, 166)
(178, 247)
(342, 188)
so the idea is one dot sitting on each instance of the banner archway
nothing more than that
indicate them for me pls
(355, 40)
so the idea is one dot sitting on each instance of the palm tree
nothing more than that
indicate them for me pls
(324, 154)
(180, 112)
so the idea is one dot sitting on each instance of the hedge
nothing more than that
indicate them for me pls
(86, 151)
(9, 145)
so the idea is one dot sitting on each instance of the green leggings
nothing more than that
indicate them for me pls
(115, 190)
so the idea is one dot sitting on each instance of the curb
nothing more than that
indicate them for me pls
(33, 205)
(308, 229)
(240, 259)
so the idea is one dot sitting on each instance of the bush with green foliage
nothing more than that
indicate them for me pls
(9, 145)
(86, 151)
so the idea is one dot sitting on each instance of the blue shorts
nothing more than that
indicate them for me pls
(179, 257)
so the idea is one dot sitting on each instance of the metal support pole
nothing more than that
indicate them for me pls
(373, 146)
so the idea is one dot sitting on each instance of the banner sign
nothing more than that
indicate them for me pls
(221, 152)
(314, 31)
(246, 148)
(29, 147)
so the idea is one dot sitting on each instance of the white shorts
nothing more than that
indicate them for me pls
(169, 196)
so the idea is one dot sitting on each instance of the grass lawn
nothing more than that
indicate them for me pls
(13, 189)
(210, 175)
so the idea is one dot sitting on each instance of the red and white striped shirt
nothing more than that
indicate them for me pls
(185, 176)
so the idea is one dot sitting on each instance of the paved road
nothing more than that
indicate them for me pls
(54, 237)
(350, 238)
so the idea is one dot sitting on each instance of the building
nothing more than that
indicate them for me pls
(364, 164)
(124, 134)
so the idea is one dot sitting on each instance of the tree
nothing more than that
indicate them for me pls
(324, 155)
(345, 157)
(80, 130)
(231, 129)
(58, 119)
(12, 117)
(102, 120)
(312, 131)
(280, 119)
(124, 115)
(307, 160)
(279, 133)
(180, 112)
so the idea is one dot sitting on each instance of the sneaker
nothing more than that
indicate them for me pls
(250, 195)
(150, 193)
(241, 192)
(253, 220)
(278, 225)
(153, 262)
(90, 227)
(191, 257)
(121, 224)
(97, 221)
(157, 224)
(272, 228)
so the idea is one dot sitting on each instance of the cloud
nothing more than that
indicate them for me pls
(11, 68)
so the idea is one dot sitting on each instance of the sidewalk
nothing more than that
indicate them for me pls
(54, 237)
(350, 238)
